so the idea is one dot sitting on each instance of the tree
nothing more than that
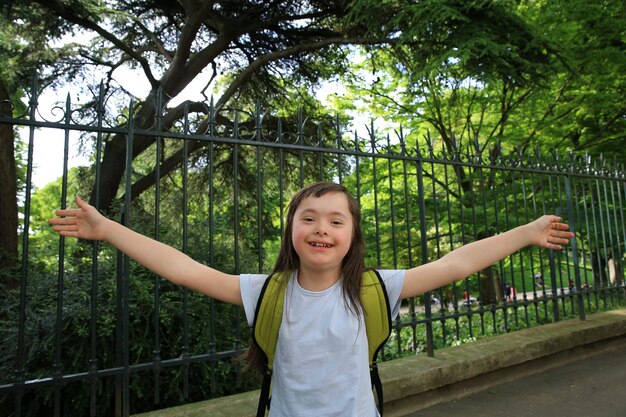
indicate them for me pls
(8, 183)
(253, 47)
(458, 78)
(582, 109)
(540, 74)
(507, 77)
(23, 47)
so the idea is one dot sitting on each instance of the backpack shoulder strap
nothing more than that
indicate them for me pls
(377, 316)
(377, 312)
(268, 315)
(267, 319)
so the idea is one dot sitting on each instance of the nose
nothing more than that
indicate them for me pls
(321, 231)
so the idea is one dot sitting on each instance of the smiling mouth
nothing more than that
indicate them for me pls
(320, 245)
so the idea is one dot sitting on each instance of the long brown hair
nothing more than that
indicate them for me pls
(352, 265)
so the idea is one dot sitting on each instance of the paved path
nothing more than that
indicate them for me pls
(519, 298)
(594, 387)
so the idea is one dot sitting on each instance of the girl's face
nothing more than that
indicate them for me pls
(322, 232)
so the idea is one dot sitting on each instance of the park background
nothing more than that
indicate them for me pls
(449, 120)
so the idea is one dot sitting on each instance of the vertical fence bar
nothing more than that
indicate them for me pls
(237, 341)
(608, 240)
(427, 297)
(606, 285)
(259, 190)
(430, 344)
(357, 171)
(569, 186)
(598, 269)
(620, 181)
(281, 185)
(119, 335)
(392, 204)
(212, 324)
(259, 209)
(591, 233)
(320, 174)
(407, 222)
(95, 247)
(457, 167)
(497, 289)
(185, 249)
(301, 121)
(156, 351)
(554, 294)
(537, 186)
(58, 358)
(21, 335)
(455, 298)
(617, 249)
(560, 255)
(519, 253)
(339, 145)
(507, 226)
(126, 266)
(496, 224)
(570, 215)
(357, 168)
(610, 251)
(375, 184)
(580, 232)
(530, 250)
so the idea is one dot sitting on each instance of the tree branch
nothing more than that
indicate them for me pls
(244, 75)
(61, 10)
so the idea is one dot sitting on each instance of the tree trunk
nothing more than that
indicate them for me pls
(114, 159)
(490, 290)
(490, 285)
(8, 202)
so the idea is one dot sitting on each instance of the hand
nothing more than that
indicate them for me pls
(84, 222)
(548, 232)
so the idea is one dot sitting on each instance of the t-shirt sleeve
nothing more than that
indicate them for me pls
(251, 286)
(394, 280)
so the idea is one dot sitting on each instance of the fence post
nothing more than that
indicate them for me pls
(572, 223)
(430, 345)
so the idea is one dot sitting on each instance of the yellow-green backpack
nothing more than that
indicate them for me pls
(269, 313)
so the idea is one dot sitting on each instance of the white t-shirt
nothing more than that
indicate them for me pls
(321, 365)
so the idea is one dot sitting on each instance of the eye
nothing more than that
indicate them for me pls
(336, 222)
(308, 219)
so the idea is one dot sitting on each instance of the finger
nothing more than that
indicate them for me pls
(556, 243)
(63, 220)
(564, 235)
(558, 240)
(560, 226)
(65, 228)
(82, 203)
(69, 233)
(68, 212)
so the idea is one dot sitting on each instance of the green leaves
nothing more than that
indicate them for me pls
(540, 74)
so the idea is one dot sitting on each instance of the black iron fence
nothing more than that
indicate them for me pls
(87, 331)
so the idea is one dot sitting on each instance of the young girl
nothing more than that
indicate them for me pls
(321, 363)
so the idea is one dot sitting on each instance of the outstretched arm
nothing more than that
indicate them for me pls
(546, 232)
(86, 222)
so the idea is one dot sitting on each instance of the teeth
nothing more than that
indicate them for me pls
(320, 245)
